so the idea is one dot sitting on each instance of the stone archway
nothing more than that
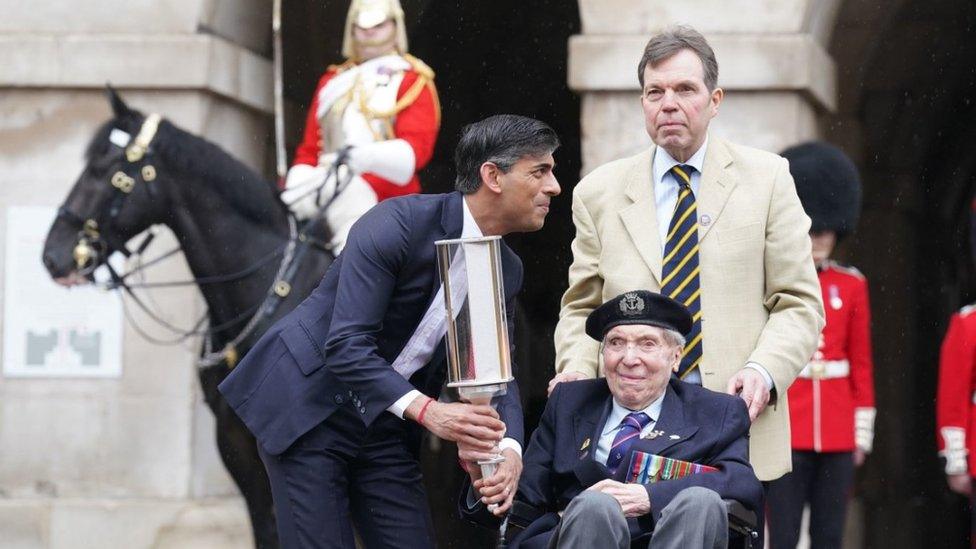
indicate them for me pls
(906, 113)
(847, 71)
(893, 85)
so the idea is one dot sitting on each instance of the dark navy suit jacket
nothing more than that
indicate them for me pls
(338, 344)
(698, 425)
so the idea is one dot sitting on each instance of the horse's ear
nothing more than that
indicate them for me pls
(118, 106)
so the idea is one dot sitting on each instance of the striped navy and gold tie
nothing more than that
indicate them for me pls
(680, 270)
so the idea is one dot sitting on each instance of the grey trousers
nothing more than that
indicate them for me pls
(695, 518)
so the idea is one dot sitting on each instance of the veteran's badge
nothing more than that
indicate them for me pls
(631, 304)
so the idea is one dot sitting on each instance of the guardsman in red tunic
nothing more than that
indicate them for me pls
(955, 405)
(380, 107)
(832, 400)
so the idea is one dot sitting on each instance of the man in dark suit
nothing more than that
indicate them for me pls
(336, 390)
(584, 481)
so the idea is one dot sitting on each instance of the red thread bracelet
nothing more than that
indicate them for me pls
(423, 410)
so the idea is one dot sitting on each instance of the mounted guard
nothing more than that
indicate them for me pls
(371, 126)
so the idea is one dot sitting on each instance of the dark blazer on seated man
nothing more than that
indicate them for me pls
(326, 391)
(570, 450)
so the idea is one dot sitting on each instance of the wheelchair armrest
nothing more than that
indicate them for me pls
(741, 520)
(522, 514)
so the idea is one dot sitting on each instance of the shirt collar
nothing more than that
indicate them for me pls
(663, 161)
(469, 229)
(618, 413)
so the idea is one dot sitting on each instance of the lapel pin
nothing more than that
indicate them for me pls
(653, 435)
(705, 220)
(675, 437)
(586, 444)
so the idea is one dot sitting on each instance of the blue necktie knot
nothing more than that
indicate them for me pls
(637, 420)
(629, 432)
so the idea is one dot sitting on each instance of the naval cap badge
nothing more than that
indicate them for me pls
(631, 304)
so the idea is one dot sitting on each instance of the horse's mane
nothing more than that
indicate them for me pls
(246, 191)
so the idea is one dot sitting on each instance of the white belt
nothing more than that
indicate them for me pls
(827, 369)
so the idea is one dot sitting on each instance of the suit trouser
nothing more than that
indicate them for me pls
(822, 479)
(341, 473)
(696, 517)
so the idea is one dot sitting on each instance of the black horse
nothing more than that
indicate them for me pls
(236, 236)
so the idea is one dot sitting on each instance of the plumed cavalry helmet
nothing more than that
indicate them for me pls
(828, 185)
(368, 14)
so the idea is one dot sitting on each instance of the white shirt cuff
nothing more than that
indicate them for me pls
(762, 371)
(400, 406)
(510, 443)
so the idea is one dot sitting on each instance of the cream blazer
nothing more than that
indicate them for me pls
(760, 296)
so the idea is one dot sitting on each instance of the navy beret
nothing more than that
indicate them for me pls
(638, 307)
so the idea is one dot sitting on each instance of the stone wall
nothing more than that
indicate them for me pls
(127, 462)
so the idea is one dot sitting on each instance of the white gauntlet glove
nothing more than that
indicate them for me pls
(308, 188)
(864, 428)
(393, 160)
(955, 452)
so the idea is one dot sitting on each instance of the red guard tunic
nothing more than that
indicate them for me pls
(832, 402)
(955, 412)
(414, 118)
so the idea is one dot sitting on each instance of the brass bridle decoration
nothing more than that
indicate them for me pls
(90, 243)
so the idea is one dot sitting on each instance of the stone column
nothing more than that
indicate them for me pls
(773, 65)
(126, 462)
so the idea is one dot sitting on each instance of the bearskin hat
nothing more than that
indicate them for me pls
(828, 185)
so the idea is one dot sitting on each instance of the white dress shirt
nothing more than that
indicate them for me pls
(418, 351)
(617, 414)
(666, 188)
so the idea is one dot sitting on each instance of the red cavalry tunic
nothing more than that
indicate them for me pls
(417, 124)
(955, 413)
(823, 400)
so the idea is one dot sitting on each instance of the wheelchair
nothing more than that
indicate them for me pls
(743, 532)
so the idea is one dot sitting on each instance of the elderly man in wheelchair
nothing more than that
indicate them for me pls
(635, 459)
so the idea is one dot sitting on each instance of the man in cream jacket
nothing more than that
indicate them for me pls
(714, 225)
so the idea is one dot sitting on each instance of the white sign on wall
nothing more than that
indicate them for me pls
(49, 330)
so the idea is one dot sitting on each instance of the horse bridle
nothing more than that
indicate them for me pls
(94, 243)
